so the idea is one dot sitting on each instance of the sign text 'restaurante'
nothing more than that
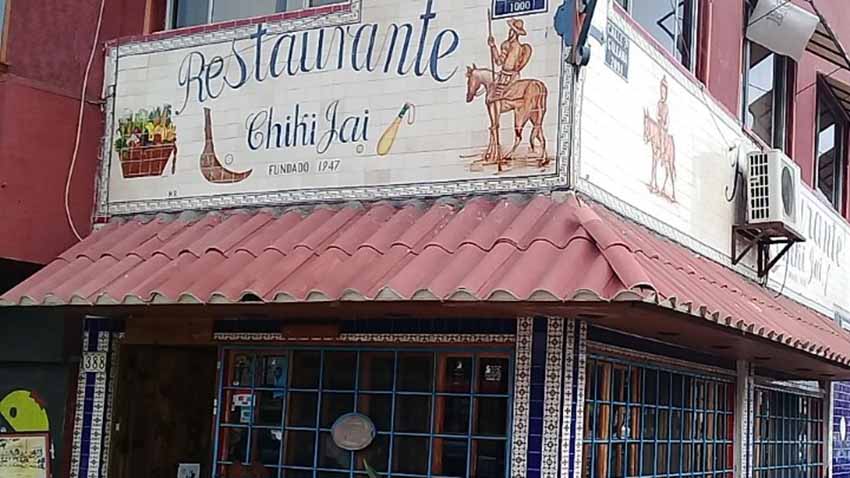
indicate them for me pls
(357, 48)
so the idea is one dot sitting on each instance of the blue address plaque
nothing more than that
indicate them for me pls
(513, 8)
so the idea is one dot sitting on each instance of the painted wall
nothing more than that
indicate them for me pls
(841, 439)
(47, 50)
(805, 101)
(723, 77)
(725, 39)
(685, 193)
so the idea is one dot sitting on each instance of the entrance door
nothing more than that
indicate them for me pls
(163, 412)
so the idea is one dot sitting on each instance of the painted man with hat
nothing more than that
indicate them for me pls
(512, 57)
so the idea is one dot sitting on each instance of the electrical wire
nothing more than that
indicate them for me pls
(80, 117)
(837, 68)
(782, 289)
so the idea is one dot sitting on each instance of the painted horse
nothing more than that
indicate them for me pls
(526, 98)
(663, 152)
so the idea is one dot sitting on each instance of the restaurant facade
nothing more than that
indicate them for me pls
(433, 239)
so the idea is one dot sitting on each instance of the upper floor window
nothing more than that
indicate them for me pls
(186, 13)
(4, 30)
(831, 147)
(672, 23)
(766, 94)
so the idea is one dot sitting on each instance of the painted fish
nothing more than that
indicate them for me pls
(24, 412)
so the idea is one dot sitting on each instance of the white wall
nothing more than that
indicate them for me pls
(614, 164)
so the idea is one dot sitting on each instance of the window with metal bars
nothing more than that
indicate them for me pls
(646, 420)
(436, 413)
(788, 435)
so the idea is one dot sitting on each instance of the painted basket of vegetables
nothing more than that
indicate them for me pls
(146, 142)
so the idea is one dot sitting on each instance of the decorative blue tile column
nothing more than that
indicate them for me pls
(552, 349)
(841, 434)
(94, 399)
(536, 403)
(572, 416)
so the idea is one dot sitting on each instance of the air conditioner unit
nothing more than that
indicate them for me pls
(773, 182)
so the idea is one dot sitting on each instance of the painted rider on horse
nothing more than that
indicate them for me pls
(511, 57)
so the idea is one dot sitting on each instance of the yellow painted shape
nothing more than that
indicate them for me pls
(24, 413)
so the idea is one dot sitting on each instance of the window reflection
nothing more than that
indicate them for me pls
(788, 435)
(831, 149)
(765, 94)
(644, 421)
(436, 414)
(189, 13)
(672, 23)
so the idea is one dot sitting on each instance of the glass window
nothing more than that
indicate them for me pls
(188, 13)
(436, 413)
(831, 153)
(765, 94)
(5, 6)
(647, 421)
(672, 23)
(788, 435)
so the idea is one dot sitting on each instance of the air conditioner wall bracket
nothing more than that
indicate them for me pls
(762, 237)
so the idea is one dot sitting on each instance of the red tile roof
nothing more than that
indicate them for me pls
(512, 248)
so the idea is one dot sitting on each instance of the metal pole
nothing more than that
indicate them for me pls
(490, 30)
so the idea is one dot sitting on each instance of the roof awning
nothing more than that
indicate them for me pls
(841, 92)
(825, 43)
(541, 250)
(789, 30)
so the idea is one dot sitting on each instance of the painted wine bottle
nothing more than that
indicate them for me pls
(387, 140)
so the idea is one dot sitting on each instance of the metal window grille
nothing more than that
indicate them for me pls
(759, 187)
(788, 436)
(436, 413)
(643, 420)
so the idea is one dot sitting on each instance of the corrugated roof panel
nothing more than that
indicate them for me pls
(487, 248)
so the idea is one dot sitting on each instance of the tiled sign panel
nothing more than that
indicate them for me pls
(373, 94)
(656, 147)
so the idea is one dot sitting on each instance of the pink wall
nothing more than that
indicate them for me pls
(805, 101)
(723, 75)
(48, 46)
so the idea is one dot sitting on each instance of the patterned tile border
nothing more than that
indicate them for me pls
(636, 356)
(567, 394)
(559, 179)
(522, 392)
(389, 338)
(577, 391)
(91, 441)
(749, 391)
(78, 417)
(552, 397)
(113, 366)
